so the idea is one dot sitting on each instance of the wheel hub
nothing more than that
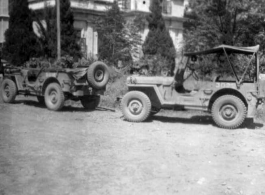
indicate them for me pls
(7, 91)
(228, 112)
(99, 75)
(135, 107)
(53, 97)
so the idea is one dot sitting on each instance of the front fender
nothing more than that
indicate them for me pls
(151, 91)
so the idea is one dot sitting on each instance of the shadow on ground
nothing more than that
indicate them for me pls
(202, 120)
(66, 108)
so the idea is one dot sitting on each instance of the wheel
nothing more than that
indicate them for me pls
(98, 75)
(41, 100)
(54, 97)
(9, 91)
(136, 106)
(228, 111)
(89, 102)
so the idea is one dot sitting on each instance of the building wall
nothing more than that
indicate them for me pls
(3, 19)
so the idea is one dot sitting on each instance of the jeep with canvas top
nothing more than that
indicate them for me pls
(229, 100)
(53, 86)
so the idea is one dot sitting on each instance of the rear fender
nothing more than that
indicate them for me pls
(47, 82)
(251, 106)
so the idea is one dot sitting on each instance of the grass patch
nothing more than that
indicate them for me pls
(116, 88)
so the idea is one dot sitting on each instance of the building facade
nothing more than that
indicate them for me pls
(173, 13)
(85, 10)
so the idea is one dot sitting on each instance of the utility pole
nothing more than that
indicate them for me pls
(58, 18)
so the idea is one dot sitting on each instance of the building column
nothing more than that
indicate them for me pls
(89, 40)
(95, 45)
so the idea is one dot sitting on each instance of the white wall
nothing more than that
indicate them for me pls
(177, 8)
(3, 19)
(140, 5)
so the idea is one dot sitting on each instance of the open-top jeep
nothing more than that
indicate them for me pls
(53, 86)
(229, 101)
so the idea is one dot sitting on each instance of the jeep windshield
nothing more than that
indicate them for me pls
(237, 64)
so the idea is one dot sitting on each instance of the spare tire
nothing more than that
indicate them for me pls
(98, 75)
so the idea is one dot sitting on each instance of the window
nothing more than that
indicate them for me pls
(125, 4)
(167, 6)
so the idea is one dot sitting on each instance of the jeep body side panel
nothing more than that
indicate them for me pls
(167, 96)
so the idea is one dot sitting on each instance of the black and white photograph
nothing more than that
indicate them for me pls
(132, 97)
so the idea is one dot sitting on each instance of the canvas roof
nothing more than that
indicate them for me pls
(228, 49)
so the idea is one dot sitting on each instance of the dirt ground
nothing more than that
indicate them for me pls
(79, 152)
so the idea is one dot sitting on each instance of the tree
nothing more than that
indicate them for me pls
(47, 31)
(158, 41)
(131, 31)
(115, 40)
(48, 39)
(233, 22)
(20, 41)
(69, 39)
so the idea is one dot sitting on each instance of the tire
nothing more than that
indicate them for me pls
(90, 103)
(54, 97)
(136, 106)
(228, 111)
(41, 100)
(98, 75)
(9, 91)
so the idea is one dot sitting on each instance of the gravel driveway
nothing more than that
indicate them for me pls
(78, 152)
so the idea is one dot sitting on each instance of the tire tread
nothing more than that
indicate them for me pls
(145, 98)
(236, 99)
(13, 89)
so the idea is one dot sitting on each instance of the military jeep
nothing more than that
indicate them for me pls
(230, 101)
(52, 86)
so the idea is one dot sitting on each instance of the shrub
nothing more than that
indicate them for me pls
(20, 41)
(48, 38)
(158, 41)
(152, 65)
(115, 89)
(110, 27)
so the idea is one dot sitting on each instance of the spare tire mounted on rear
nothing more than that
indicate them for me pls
(98, 75)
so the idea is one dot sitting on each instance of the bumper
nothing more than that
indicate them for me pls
(80, 88)
(87, 91)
